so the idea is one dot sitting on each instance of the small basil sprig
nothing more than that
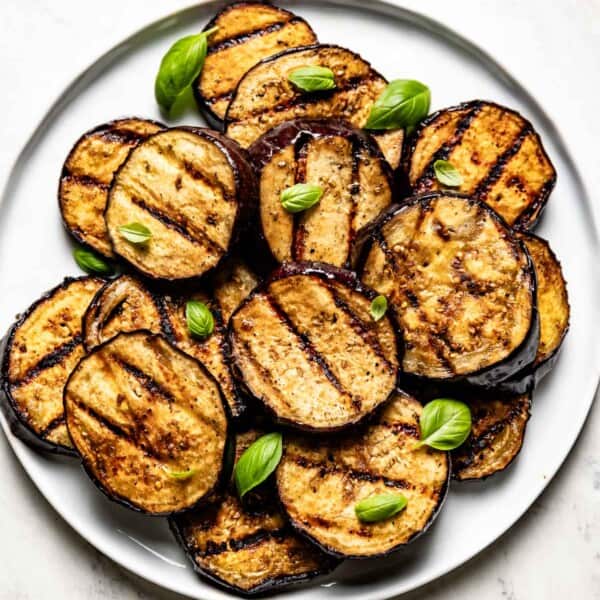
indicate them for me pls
(179, 67)
(258, 461)
(136, 233)
(301, 196)
(378, 307)
(181, 475)
(445, 424)
(199, 319)
(402, 104)
(312, 78)
(380, 507)
(446, 173)
(91, 262)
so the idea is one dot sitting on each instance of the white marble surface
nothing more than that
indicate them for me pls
(554, 551)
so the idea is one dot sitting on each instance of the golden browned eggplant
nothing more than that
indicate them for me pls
(87, 173)
(320, 481)
(247, 32)
(496, 151)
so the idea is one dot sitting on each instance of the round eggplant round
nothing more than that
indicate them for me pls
(344, 162)
(305, 345)
(321, 481)
(149, 423)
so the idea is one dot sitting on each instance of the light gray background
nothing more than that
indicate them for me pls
(554, 551)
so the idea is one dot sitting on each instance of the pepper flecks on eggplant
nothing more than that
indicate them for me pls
(497, 152)
(193, 189)
(305, 346)
(264, 98)
(39, 353)
(149, 423)
(320, 481)
(350, 169)
(461, 287)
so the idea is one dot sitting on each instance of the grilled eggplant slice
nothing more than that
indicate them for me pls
(346, 163)
(87, 173)
(149, 423)
(247, 548)
(247, 32)
(265, 98)
(461, 286)
(232, 283)
(320, 482)
(497, 152)
(496, 437)
(305, 345)
(40, 351)
(192, 188)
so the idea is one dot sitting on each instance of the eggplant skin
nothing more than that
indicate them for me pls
(499, 154)
(131, 406)
(247, 32)
(431, 353)
(19, 418)
(346, 162)
(320, 480)
(314, 317)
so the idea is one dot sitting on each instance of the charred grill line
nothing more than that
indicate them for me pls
(298, 231)
(84, 180)
(354, 192)
(145, 380)
(56, 422)
(237, 544)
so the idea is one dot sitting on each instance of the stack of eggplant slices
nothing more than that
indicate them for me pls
(327, 306)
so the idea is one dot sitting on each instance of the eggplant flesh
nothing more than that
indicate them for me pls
(321, 481)
(247, 32)
(38, 354)
(247, 547)
(350, 169)
(497, 152)
(461, 287)
(87, 173)
(232, 284)
(305, 346)
(149, 423)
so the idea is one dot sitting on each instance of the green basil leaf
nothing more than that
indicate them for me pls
(445, 424)
(312, 79)
(91, 262)
(402, 104)
(446, 173)
(380, 507)
(378, 307)
(301, 196)
(181, 475)
(136, 233)
(199, 319)
(180, 66)
(258, 462)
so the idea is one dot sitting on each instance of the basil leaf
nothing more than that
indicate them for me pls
(379, 508)
(91, 262)
(445, 424)
(199, 319)
(446, 173)
(312, 79)
(402, 104)
(301, 196)
(136, 233)
(258, 462)
(181, 475)
(378, 307)
(179, 67)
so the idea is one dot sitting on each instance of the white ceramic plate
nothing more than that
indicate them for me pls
(35, 254)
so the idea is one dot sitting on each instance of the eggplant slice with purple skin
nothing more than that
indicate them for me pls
(320, 481)
(247, 32)
(149, 423)
(461, 287)
(497, 152)
(87, 173)
(349, 167)
(496, 438)
(38, 355)
(264, 97)
(247, 547)
(193, 189)
(305, 346)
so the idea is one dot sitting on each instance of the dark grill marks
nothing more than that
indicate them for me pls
(354, 194)
(83, 180)
(56, 422)
(248, 35)
(298, 231)
(237, 544)
(145, 380)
